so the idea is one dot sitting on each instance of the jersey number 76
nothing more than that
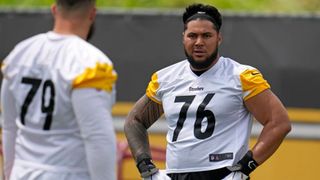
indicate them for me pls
(201, 114)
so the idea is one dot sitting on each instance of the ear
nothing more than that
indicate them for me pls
(54, 10)
(220, 38)
(183, 37)
(93, 14)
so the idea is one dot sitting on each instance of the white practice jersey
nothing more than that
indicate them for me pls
(208, 124)
(41, 73)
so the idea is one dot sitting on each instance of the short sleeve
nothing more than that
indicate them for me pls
(101, 76)
(252, 83)
(152, 89)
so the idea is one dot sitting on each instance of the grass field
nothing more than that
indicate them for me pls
(279, 6)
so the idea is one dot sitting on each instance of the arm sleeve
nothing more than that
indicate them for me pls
(96, 126)
(152, 89)
(9, 127)
(253, 83)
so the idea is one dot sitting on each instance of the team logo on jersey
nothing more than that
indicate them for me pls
(196, 88)
(220, 157)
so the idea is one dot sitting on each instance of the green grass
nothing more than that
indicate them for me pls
(279, 6)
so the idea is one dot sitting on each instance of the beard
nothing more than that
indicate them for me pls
(91, 32)
(202, 64)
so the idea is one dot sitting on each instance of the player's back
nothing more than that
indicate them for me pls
(41, 71)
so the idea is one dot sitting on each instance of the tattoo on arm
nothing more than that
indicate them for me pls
(144, 113)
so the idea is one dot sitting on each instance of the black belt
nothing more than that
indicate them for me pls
(216, 174)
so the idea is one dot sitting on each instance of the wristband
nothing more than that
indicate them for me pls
(246, 165)
(146, 166)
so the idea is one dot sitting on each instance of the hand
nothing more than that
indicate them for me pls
(146, 166)
(160, 175)
(246, 165)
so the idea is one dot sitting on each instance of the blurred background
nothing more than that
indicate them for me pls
(279, 37)
(270, 6)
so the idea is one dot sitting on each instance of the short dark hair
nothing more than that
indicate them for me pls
(201, 11)
(74, 4)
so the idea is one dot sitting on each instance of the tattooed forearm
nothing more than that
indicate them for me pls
(144, 113)
(147, 112)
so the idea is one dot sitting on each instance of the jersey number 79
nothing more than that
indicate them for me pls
(48, 109)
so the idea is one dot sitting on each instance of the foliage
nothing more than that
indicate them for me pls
(279, 6)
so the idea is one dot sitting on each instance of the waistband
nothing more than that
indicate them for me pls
(202, 175)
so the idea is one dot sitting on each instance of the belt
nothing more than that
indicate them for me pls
(216, 174)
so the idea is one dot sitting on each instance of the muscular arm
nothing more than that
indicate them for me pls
(270, 112)
(144, 113)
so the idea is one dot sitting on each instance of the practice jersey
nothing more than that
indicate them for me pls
(208, 124)
(42, 72)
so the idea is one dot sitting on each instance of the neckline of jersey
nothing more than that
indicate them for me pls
(213, 69)
(56, 36)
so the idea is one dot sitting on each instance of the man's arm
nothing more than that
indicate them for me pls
(97, 130)
(270, 112)
(144, 113)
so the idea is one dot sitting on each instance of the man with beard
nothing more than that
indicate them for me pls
(208, 102)
(56, 99)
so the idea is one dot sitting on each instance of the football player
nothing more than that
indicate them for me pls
(209, 102)
(56, 99)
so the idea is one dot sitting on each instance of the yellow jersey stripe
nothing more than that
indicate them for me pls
(102, 76)
(252, 83)
(152, 88)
